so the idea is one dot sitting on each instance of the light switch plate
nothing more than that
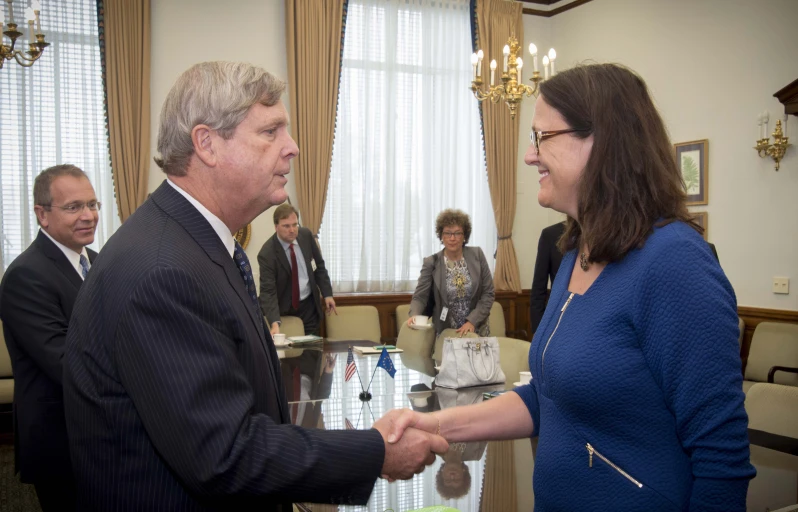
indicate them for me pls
(781, 285)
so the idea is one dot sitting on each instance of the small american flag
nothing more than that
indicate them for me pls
(349, 425)
(350, 366)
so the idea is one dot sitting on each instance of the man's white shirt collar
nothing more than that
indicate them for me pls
(72, 256)
(216, 223)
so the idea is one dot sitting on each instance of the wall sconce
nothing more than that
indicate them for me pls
(780, 140)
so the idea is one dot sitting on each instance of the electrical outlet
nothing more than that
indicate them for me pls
(781, 285)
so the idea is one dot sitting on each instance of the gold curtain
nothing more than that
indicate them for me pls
(496, 21)
(313, 41)
(498, 487)
(127, 55)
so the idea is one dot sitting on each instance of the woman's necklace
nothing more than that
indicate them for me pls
(456, 268)
(583, 262)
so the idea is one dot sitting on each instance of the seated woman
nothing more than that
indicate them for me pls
(458, 277)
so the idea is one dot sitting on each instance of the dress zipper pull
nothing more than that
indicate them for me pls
(590, 455)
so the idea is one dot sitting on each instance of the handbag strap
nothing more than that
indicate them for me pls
(481, 346)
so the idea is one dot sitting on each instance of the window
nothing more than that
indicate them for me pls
(52, 113)
(408, 143)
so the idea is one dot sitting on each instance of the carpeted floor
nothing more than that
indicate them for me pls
(14, 495)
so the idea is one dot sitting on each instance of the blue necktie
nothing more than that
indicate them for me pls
(245, 269)
(84, 266)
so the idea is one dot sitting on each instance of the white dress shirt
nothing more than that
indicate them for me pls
(218, 226)
(72, 256)
(304, 281)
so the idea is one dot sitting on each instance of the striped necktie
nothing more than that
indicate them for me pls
(84, 266)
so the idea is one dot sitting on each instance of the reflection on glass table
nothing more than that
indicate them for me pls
(467, 474)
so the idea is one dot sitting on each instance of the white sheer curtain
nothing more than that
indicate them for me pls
(52, 113)
(408, 143)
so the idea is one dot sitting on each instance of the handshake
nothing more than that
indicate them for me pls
(411, 442)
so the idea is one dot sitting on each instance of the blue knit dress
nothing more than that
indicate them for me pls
(636, 388)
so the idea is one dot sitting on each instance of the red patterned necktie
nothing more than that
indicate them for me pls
(294, 280)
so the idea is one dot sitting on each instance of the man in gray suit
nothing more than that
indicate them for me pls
(172, 384)
(291, 270)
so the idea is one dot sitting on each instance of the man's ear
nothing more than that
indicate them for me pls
(41, 215)
(202, 137)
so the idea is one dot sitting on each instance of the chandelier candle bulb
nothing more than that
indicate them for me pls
(480, 55)
(10, 12)
(492, 71)
(474, 64)
(506, 52)
(545, 67)
(533, 50)
(766, 119)
(552, 56)
(520, 62)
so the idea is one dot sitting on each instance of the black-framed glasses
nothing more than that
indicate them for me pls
(538, 136)
(75, 208)
(452, 234)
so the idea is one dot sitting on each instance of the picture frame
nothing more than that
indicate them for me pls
(693, 160)
(702, 218)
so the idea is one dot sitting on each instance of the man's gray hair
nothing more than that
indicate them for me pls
(217, 94)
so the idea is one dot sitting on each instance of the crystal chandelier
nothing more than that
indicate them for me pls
(511, 90)
(36, 43)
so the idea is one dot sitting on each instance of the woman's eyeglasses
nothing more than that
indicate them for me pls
(539, 136)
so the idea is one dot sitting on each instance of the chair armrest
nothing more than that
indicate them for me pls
(774, 369)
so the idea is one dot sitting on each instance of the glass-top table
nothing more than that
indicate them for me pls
(472, 476)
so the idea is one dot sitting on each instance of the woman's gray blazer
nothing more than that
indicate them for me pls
(433, 273)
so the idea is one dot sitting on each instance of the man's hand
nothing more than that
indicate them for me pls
(275, 328)
(408, 448)
(466, 328)
(329, 304)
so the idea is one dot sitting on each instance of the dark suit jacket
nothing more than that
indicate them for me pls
(36, 298)
(433, 273)
(546, 266)
(172, 386)
(275, 275)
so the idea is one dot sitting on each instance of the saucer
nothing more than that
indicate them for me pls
(519, 383)
(285, 343)
(420, 327)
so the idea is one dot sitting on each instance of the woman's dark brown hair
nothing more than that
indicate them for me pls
(451, 217)
(631, 181)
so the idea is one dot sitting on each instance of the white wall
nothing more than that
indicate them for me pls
(712, 66)
(185, 32)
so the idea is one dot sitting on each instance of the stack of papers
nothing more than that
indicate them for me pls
(308, 338)
(375, 350)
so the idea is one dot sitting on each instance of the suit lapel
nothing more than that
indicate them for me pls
(439, 279)
(307, 252)
(59, 259)
(184, 213)
(280, 252)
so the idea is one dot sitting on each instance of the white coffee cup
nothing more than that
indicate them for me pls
(421, 320)
(420, 402)
(525, 377)
(279, 339)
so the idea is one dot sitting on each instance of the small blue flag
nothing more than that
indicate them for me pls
(385, 363)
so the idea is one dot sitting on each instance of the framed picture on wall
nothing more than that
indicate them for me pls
(701, 218)
(693, 160)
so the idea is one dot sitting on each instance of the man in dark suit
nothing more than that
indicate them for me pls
(37, 295)
(292, 273)
(172, 384)
(546, 266)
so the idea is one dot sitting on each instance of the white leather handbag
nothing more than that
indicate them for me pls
(470, 362)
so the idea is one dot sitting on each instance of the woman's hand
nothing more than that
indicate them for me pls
(411, 321)
(466, 328)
